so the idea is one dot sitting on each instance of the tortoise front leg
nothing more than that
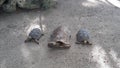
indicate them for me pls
(36, 41)
(89, 43)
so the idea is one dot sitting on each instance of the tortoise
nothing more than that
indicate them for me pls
(34, 35)
(83, 37)
(60, 38)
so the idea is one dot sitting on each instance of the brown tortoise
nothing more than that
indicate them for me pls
(60, 38)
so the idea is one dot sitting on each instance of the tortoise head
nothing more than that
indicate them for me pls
(86, 42)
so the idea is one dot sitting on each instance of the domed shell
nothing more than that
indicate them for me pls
(35, 33)
(82, 35)
(60, 38)
(60, 34)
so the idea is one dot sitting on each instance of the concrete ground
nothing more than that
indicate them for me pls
(100, 17)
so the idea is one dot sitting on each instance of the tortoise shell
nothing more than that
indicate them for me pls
(60, 38)
(83, 36)
(35, 33)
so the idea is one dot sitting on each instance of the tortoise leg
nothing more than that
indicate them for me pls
(42, 34)
(89, 43)
(36, 41)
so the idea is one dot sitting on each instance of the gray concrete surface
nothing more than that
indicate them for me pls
(100, 17)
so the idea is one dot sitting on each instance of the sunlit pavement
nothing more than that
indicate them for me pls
(100, 17)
